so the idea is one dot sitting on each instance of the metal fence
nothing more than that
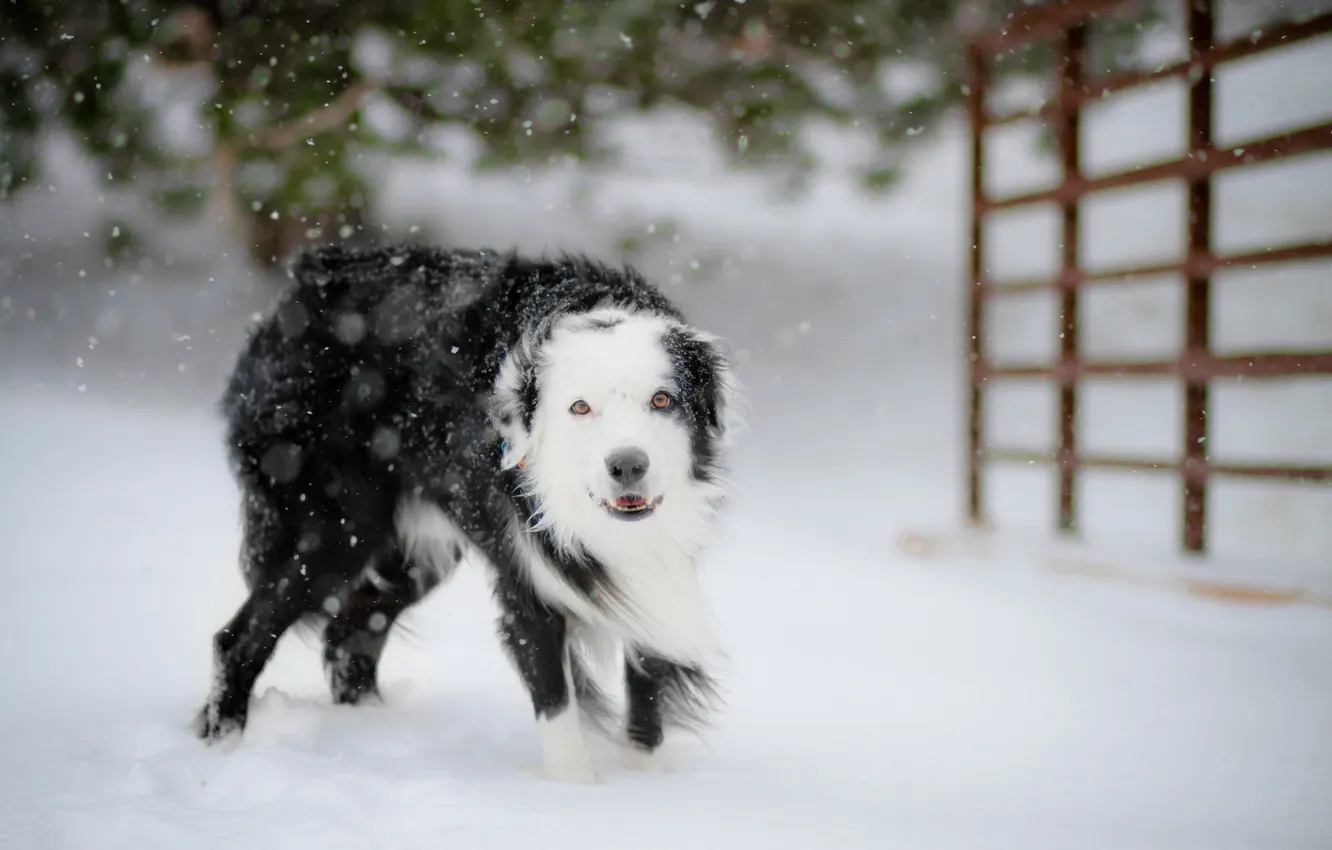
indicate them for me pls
(1197, 365)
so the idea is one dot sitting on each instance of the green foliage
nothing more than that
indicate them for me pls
(181, 200)
(120, 243)
(534, 79)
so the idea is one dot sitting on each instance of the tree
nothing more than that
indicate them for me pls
(282, 115)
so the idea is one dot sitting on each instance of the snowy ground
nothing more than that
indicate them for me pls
(875, 701)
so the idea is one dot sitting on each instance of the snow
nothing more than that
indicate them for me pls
(874, 699)
(891, 681)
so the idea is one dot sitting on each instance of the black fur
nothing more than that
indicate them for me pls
(371, 381)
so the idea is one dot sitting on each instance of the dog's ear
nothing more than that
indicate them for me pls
(706, 375)
(517, 393)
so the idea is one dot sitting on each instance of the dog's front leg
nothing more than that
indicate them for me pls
(644, 677)
(536, 638)
(661, 693)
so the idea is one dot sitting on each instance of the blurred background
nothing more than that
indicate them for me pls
(797, 175)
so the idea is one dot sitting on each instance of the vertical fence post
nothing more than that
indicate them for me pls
(1069, 68)
(1198, 294)
(976, 81)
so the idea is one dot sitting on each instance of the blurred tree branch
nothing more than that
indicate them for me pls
(283, 117)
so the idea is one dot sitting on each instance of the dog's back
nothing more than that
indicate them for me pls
(328, 356)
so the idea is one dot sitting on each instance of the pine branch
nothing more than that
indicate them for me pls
(317, 121)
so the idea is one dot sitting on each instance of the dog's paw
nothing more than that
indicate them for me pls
(570, 774)
(212, 726)
(570, 764)
(564, 753)
(563, 775)
(634, 757)
(357, 696)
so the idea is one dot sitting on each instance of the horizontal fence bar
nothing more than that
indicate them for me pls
(1201, 469)
(1293, 143)
(1202, 365)
(1101, 87)
(1197, 264)
(1047, 20)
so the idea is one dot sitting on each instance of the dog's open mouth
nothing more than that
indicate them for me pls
(631, 507)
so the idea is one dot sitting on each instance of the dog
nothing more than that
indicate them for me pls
(406, 407)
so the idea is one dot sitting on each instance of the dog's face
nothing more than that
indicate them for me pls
(617, 421)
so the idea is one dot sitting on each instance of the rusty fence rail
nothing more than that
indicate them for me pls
(1197, 365)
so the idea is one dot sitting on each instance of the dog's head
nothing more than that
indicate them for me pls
(618, 422)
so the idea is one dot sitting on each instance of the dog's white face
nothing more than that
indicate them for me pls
(621, 435)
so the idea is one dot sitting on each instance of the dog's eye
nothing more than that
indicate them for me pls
(580, 408)
(661, 401)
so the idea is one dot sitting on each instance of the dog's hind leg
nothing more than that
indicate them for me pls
(241, 648)
(354, 638)
(299, 560)
(423, 552)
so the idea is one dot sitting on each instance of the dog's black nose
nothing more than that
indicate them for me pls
(627, 466)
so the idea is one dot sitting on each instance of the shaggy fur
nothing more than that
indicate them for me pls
(405, 407)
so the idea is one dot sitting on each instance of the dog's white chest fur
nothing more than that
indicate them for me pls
(656, 600)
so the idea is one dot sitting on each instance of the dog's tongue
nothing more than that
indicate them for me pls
(629, 501)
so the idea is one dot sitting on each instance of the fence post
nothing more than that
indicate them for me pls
(976, 81)
(1069, 68)
(1198, 292)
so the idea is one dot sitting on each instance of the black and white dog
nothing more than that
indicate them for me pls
(406, 406)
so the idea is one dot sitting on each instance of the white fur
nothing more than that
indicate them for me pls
(428, 537)
(564, 753)
(549, 585)
(600, 651)
(651, 562)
